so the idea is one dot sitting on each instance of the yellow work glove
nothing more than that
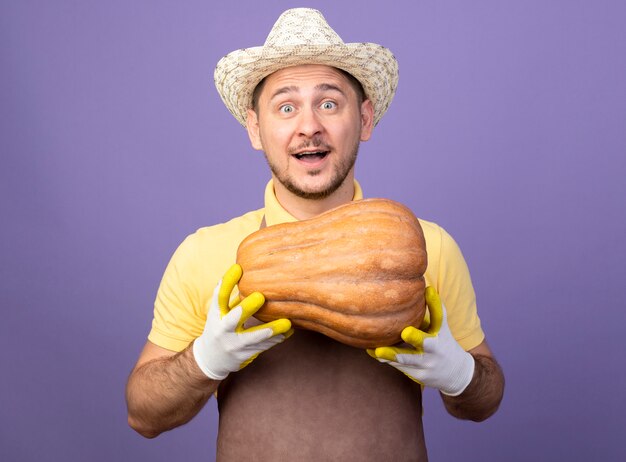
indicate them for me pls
(226, 346)
(436, 359)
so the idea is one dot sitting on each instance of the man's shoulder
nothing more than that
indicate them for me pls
(431, 229)
(245, 223)
(220, 238)
(429, 226)
(438, 240)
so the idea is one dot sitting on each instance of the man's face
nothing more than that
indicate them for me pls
(309, 124)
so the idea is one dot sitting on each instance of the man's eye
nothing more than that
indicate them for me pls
(287, 108)
(329, 105)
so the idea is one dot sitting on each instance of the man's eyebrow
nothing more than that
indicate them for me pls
(329, 86)
(283, 90)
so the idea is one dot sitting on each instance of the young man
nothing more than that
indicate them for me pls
(307, 100)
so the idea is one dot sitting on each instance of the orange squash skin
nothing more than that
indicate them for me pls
(354, 273)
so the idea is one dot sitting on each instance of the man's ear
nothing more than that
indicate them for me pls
(367, 119)
(252, 125)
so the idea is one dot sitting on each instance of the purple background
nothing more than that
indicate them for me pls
(508, 128)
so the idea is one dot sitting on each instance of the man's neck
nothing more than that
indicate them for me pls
(303, 209)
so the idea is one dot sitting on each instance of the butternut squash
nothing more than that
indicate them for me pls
(354, 273)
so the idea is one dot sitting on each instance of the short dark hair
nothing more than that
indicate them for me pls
(356, 85)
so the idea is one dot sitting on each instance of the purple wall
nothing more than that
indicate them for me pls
(508, 128)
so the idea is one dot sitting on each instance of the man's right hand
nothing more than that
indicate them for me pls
(226, 346)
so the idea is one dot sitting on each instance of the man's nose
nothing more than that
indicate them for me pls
(309, 123)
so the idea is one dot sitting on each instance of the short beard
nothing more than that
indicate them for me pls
(340, 175)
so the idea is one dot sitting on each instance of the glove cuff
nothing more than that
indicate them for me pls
(462, 377)
(198, 355)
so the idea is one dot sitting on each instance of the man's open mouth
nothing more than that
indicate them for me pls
(311, 156)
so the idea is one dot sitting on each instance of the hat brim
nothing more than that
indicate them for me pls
(238, 73)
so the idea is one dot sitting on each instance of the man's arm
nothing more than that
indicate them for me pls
(471, 383)
(165, 390)
(483, 395)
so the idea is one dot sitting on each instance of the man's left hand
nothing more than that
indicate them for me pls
(436, 359)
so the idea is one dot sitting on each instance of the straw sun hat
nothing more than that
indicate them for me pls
(302, 36)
